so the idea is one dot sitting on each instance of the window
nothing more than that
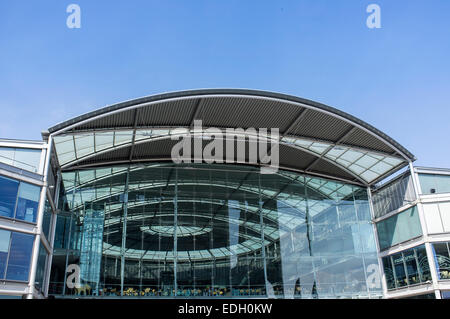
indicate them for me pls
(426, 296)
(5, 237)
(19, 200)
(28, 202)
(434, 184)
(15, 255)
(8, 196)
(46, 223)
(406, 268)
(442, 257)
(41, 267)
(19, 257)
(399, 228)
(27, 159)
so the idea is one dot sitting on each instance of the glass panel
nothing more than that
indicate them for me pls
(19, 258)
(5, 239)
(442, 257)
(423, 265)
(399, 269)
(27, 159)
(213, 231)
(28, 202)
(389, 272)
(41, 267)
(8, 196)
(399, 228)
(7, 155)
(407, 268)
(411, 267)
(426, 296)
(434, 184)
(393, 196)
(47, 220)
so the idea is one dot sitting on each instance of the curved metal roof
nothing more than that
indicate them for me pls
(314, 138)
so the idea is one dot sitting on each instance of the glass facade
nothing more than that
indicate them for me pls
(399, 228)
(393, 196)
(434, 183)
(24, 158)
(41, 267)
(164, 230)
(442, 260)
(18, 200)
(407, 268)
(15, 255)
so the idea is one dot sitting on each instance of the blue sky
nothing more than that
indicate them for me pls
(396, 78)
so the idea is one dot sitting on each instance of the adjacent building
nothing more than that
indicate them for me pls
(100, 208)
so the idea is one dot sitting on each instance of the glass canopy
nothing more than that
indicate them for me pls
(365, 164)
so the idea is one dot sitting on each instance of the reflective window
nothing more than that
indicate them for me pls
(393, 195)
(425, 296)
(15, 255)
(399, 228)
(5, 239)
(434, 184)
(28, 202)
(406, 268)
(46, 222)
(41, 267)
(442, 258)
(213, 230)
(8, 196)
(19, 200)
(27, 159)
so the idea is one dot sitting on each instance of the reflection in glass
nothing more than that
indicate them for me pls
(399, 228)
(5, 239)
(434, 184)
(165, 230)
(8, 196)
(407, 268)
(41, 267)
(19, 257)
(442, 257)
(27, 202)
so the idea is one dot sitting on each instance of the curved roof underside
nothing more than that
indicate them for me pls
(314, 138)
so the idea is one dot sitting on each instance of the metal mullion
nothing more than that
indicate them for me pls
(74, 148)
(17, 201)
(124, 233)
(263, 244)
(69, 238)
(175, 224)
(362, 251)
(419, 270)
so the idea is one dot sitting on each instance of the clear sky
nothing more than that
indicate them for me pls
(396, 78)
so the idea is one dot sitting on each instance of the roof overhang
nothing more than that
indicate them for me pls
(314, 138)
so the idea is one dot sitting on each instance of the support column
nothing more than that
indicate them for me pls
(40, 217)
(428, 247)
(175, 237)
(124, 232)
(377, 243)
(52, 235)
(261, 222)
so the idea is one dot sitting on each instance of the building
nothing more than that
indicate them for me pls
(102, 210)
